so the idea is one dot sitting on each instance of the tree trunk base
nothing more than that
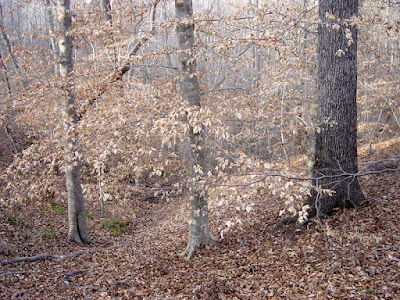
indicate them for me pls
(286, 221)
(75, 237)
(193, 245)
(357, 201)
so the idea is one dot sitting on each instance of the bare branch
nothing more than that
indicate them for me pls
(342, 174)
(126, 66)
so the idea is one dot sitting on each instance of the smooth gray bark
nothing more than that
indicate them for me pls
(77, 231)
(336, 135)
(53, 42)
(199, 234)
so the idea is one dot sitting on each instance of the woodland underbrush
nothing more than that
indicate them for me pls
(134, 254)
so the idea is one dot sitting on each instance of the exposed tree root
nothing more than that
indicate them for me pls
(287, 221)
(193, 246)
(76, 238)
(189, 251)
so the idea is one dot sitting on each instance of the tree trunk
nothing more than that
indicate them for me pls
(336, 136)
(77, 231)
(199, 234)
(6, 78)
(53, 42)
(11, 53)
(106, 10)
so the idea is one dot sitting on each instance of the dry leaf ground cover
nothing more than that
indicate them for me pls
(353, 255)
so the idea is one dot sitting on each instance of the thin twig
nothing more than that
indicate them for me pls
(118, 74)
(299, 178)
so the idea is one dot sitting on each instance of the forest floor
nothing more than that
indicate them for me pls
(355, 254)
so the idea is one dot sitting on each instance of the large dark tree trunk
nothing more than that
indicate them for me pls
(199, 234)
(336, 136)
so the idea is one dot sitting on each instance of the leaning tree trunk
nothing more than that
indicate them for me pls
(77, 231)
(199, 234)
(336, 136)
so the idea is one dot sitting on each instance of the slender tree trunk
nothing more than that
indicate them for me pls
(106, 12)
(53, 41)
(24, 81)
(336, 136)
(6, 39)
(199, 234)
(106, 9)
(76, 213)
(6, 77)
(10, 117)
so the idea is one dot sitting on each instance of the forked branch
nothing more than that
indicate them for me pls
(119, 72)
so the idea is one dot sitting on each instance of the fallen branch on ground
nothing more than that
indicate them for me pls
(18, 273)
(47, 256)
(67, 276)
(19, 294)
(389, 248)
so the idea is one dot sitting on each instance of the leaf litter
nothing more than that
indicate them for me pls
(353, 255)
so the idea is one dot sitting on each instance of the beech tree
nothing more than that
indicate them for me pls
(53, 42)
(76, 213)
(131, 123)
(335, 159)
(199, 234)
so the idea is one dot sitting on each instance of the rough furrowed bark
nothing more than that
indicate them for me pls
(199, 234)
(335, 151)
(336, 137)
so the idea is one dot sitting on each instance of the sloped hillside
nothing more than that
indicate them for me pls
(353, 255)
